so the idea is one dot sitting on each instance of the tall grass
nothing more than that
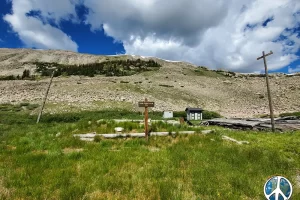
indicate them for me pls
(45, 161)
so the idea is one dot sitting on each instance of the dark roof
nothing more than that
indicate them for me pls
(193, 109)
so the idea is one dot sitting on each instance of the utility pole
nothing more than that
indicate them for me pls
(268, 88)
(45, 98)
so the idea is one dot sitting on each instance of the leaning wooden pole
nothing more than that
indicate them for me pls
(45, 98)
(268, 89)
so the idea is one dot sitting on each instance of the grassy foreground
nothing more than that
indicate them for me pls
(44, 161)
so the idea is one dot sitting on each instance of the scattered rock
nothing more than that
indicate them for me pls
(204, 132)
(119, 129)
(58, 134)
(71, 150)
(153, 149)
(227, 82)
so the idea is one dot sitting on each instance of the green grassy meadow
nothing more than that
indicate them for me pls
(45, 161)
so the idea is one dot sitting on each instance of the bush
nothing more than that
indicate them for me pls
(8, 78)
(210, 114)
(154, 127)
(24, 104)
(67, 118)
(97, 138)
(297, 114)
(17, 108)
(32, 106)
(26, 74)
(163, 85)
(179, 114)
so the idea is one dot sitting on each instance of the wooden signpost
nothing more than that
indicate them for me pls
(146, 104)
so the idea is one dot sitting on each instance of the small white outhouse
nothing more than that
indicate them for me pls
(193, 113)
(168, 114)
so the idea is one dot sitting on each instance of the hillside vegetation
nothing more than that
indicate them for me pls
(90, 82)
(107, 68)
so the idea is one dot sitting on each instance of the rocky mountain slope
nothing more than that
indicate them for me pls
(175, 86)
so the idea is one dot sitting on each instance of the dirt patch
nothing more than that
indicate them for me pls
(153, 149)
(38, 152)
(297, 179)
(71, 150)
(106, 195)
(10, 147)
(5, 193)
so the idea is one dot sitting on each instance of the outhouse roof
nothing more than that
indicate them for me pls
(193, 109)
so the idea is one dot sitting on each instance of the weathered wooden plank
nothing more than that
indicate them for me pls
(186, 132)
(91, 136)
(224, 137)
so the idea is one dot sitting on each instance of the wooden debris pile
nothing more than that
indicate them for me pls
(281, 124)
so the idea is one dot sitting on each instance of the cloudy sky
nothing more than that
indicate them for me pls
(220, 34)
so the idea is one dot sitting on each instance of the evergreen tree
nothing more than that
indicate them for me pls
(26, 74)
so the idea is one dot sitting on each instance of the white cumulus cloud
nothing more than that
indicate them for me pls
(35, 31)
(227, 34)
(294, 70)
(220, 34)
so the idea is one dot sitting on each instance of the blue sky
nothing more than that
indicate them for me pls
(92, 42)
(224, 35)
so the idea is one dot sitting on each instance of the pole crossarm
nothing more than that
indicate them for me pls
(268, 54)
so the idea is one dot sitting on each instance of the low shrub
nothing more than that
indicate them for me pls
(66, 118)
(24, 104)
(179, 114)
(162, 85)
(32, 106)
(210, 114)
(297, 114)
(97, 138)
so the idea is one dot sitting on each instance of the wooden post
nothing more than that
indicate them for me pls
(146, 119)
(146, 104)
(45, 98)
(268, 88)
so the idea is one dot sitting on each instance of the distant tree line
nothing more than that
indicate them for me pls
(25, 76)
(107, 68)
